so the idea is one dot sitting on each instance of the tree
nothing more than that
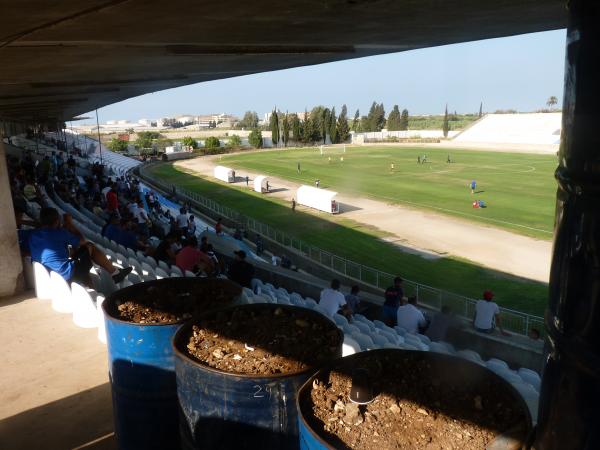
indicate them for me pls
(333, 134)
(343, 131)
(145, 138)
(250, 120)
(117, 145)
(316, 127)
(274, 127)
(286, 130)
(376, 117)
(445, 127)
(129, 131)
(393, 121)
(295, 125)
(308, 130)
(356, 121)
(255, 139)
(551, 102)
(404, 120)
(481, 110)
(189, 141)
(212, 142)
(234, 141)
(325, 114)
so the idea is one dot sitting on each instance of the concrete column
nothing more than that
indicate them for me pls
(569, 415)
(11, 280)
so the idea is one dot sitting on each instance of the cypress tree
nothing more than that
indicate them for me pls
(404, 120)
(333, 133)
(445, 127)
(274, 126)
(296, 136)
(324, 124)
(342, 125)
(356, 121)
(393, 121)
(286, 130)
(480, 110)
(371, 122)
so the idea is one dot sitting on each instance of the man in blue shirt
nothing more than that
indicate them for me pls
(65, 251)
(393, 298)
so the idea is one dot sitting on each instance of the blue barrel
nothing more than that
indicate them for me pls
(222, 410)
(456, 372)
(141, 362)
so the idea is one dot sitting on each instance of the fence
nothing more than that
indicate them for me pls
(512, 320)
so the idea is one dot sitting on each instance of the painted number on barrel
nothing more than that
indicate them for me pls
(262, 391)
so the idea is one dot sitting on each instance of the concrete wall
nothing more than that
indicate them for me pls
(11, 279)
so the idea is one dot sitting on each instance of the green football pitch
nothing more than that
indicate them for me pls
(518, 189)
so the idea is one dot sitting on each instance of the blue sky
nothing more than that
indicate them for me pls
(518, 72)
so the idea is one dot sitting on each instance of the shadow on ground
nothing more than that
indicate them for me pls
(80, 421)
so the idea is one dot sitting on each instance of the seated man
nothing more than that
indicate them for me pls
(353, 300)
(440, 324)
(485, 312)
(191, 259)
(240, 270)
(393, 297)
(332, 300)
(409, 317)
(65, 251)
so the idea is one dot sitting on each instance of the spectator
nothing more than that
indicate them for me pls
(141, 218)
(112, 201)
(440, 324)
(111, 229)
(164, 251)
(204, 244)
(353, 300)
(237, 234)
(182, 220)
(127, 236)
(286, 262)
(534, 334)
(219, 227)
(30, 191)
(218, 267)
(240, 270)
(485, 312)
(191, 226)
(393, 297)
(332, 300)
(65, 251)
(191, 259)
(409, 317)
(259, 245)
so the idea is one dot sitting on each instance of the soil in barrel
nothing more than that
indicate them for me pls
(169, 303)
(264, 340)
(417, 405)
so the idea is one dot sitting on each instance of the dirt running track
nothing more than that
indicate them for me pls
(427, 233)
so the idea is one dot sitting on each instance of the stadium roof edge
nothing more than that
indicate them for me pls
(62, 61)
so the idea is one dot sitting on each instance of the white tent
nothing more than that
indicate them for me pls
(224, 174)
(260, 183)
(320, 199)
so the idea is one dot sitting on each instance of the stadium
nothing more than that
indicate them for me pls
(381, 291)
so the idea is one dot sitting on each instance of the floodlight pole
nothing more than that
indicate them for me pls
(99, 141)
(569, 413)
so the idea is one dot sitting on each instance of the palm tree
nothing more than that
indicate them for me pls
(552, 101)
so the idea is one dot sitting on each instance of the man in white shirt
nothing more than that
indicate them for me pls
(141, 217)
(485, 312)
(409, 317)
(182, 220)
(332, 300)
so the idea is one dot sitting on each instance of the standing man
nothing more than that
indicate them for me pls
(317, 182)
(247, 179)
(485, 312)
(293, 204)
(298, 168)
(391, 167)
(267, 185)
(473, 186)
(393, 297)
(419, 159)
(240, 270)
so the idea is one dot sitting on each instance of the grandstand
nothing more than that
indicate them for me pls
(530, 128)
(85, 304)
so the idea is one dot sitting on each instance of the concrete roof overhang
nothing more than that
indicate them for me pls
(59, 59)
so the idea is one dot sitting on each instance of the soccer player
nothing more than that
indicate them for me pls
(419, 159)
(391, 167)
(298, 167)
(473, 186)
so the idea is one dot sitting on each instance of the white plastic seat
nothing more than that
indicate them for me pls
(350, 328)
(391, 336)
(401, 331)
(151, 261)
(363, 327)
(424, 339)
(340, 320)
(470, 355)
(379, 324)
(62, 299)
(297, 302)
(499, 362)
(149, 277)
(350, 346)
(322, 310)
(390, 345)
(125, 283)
(176, 270)
(43, 290)
(379, 339)
(107, 283)
(449, 347)
(510, 376)
(137, 266)
(531, 377)
(438, 348)
(134, 278)
(147, 269)
(189, 274)
(160, 273)
(359, 317)
(310, 303)
(85, 313)
(164, 266)
(131, 253)
(365, 342)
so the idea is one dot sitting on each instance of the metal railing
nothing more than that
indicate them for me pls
(515, 321)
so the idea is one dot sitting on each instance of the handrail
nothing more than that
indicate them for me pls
(512, 320)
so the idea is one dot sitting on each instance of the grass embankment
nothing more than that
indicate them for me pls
(363, 245)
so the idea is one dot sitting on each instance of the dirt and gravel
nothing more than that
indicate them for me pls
(264, 340)
(426, 232)
(418, 404)
(172, 301)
